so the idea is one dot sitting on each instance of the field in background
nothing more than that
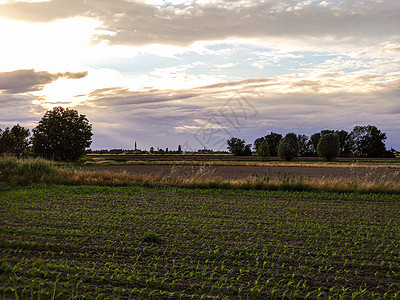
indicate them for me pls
(138, 242)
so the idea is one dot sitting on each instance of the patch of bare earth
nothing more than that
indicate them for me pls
(238, 172)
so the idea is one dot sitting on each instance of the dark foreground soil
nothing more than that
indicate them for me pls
(236, 172)
(93, 242)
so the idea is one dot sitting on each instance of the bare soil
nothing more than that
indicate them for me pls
(237, 172)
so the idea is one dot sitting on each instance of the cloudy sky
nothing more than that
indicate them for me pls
(196, 72)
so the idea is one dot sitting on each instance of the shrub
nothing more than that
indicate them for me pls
(329, 146)
(288, 147)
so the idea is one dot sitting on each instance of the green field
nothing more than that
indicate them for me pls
(68, 242)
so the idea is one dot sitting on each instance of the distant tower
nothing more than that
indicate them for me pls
(135, 146)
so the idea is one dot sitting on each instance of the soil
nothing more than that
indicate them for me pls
(237, 172)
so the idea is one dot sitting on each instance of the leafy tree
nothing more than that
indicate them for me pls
(238, 147)
(62, 134)
(329, 146)
(258, 142)
(180, 149)
(14, 141)
(289, 147)
(326, 131)
(304, 145)
(263, 150)
(314, 140)
(273, 140)
(369, 141)
(346, 143)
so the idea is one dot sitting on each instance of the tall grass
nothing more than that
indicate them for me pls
(340, 185)
(24, 171)
(39, 170)
(321, 164)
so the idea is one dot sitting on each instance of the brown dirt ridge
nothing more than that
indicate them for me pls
(381, 174)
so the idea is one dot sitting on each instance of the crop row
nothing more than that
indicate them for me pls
(136, 242)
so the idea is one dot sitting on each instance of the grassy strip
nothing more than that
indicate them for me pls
(13, 171)
(320, 164)
(339, 185)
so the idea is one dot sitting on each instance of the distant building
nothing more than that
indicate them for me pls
(205, 151)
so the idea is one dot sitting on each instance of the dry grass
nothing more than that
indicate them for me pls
(206, 179)
(320, 164)
(30, 171)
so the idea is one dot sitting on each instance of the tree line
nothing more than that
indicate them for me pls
(63, 135)
(362, 141)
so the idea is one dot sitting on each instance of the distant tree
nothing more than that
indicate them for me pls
(346, 143)
(180, 149)
(151, 150)
(273, 140)
(289, 147)
(247, 150)
(390, 153)
(62, 134)
(14, 141)
(258, 142)
(314, 140)
(304, 145)
(5, 138)
(329, 146)
(326, 131)
(238, 147)
(263, 151)
(368, 141)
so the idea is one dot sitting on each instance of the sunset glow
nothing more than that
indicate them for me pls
(157, 72)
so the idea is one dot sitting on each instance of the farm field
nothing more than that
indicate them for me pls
(138, 242)
(365, 173)
(228, 167)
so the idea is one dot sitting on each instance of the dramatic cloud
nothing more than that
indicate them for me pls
(136, 23)
(22, 81)
(326, 100)
(165, 73)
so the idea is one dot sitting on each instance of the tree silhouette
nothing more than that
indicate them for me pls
(14, 141)
(329, 146)
(238, 147)
(62, 134)
(369, 141)
(289, 147)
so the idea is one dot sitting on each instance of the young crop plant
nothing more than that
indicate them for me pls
(158, 242)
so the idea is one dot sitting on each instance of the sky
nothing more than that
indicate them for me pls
(197, 72)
